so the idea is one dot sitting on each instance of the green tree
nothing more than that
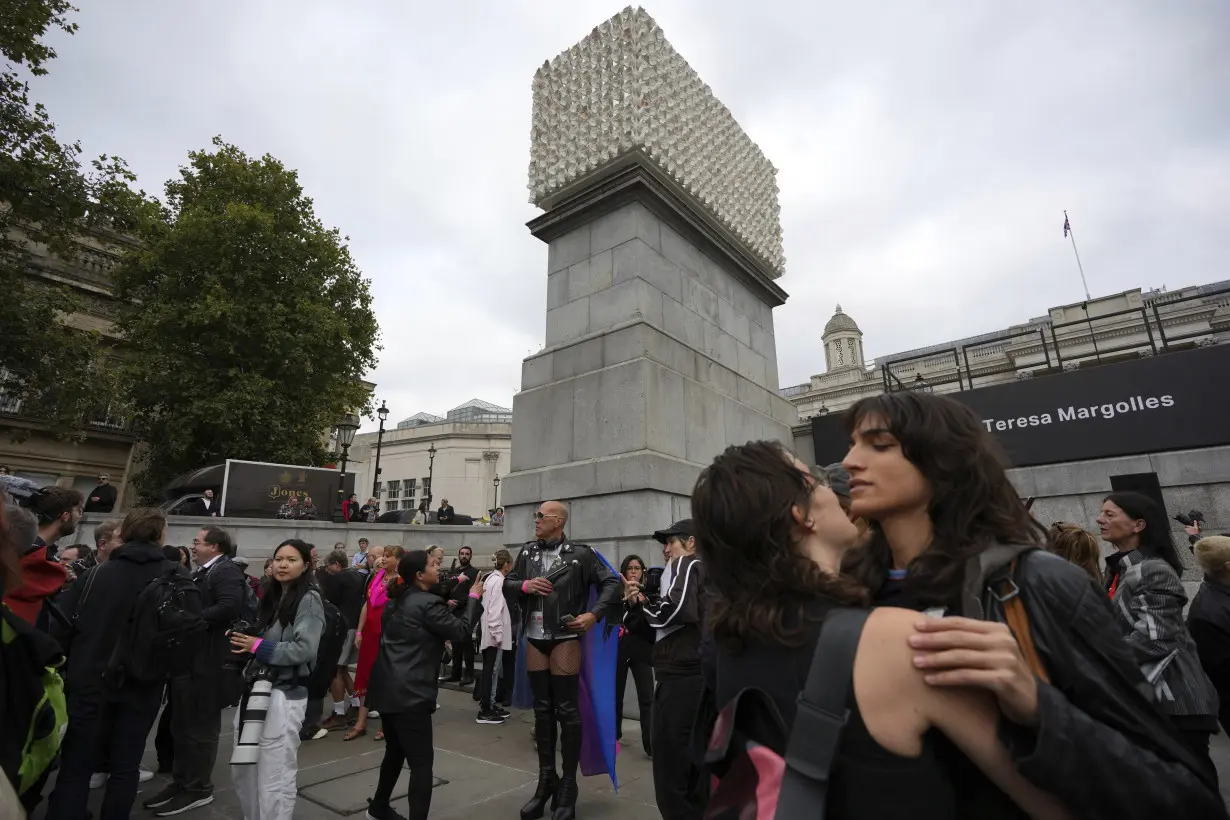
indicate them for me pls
(48, 199)
(247, 325)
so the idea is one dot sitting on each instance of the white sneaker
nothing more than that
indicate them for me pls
(320, 733)
(99, 779)
(372, 713)
(144, 775)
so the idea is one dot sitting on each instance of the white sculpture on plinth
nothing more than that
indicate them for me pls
(624, 88)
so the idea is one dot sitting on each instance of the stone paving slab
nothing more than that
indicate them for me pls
(488, 769)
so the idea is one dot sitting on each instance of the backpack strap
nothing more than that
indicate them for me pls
(822, 714)
(1008, 593)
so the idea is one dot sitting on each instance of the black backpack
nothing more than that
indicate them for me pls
(329, 652)
(754, 782)
(164, 632)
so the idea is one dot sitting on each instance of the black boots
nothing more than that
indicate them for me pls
(547, 792)
(544, 740)
(564, 691)
(567, 796)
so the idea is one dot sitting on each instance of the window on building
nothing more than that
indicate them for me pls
(411, 486)
(407, 504)
(379, 488)
(394, 490)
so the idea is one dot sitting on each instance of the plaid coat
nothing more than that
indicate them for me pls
(1149, 603)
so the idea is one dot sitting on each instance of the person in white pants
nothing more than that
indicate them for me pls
(291, 618)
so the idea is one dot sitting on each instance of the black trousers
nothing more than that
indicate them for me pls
(407, 739)
(164, 741)
(492, 680)
(635, 656)
(677, 782)
(507, 676)
(312, 714)
(464, 652)
(119, 727)
(196, 721)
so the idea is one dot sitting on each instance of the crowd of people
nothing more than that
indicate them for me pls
(811, 636)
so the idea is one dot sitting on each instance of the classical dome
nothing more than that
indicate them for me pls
(841, 322)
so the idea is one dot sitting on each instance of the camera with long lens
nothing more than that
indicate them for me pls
(253, 710)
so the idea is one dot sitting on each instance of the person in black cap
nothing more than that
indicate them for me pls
(677, 615)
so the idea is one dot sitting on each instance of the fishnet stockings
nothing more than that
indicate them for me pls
(564, 658)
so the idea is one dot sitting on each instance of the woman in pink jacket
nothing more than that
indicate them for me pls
(496, 639)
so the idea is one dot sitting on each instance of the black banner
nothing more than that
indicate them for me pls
(257, 490)
(1173, 401)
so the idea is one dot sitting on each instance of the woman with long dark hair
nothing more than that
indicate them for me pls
(404, 683)
(772, 535)
(635, 656)
(949, 535)
(1148, 598)
(290, 620)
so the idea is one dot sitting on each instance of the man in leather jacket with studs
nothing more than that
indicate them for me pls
(551, 580)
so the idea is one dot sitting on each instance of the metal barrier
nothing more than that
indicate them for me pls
(920, 382)
(1150, 316)
(1098, 353)
(965, 349)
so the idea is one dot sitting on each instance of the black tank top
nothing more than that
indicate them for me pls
(868, 781)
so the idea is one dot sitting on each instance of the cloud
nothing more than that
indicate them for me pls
(926, 151)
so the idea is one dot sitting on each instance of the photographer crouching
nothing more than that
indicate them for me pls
(290, 619)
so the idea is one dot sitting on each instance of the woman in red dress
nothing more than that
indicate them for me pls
(367, 637)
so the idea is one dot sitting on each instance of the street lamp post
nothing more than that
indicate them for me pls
(495, 505)
(431, 468)
(346, 428)
(383, 413)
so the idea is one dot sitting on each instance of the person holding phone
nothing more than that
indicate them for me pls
(404, 684)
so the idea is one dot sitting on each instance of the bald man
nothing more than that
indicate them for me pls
(551, 579)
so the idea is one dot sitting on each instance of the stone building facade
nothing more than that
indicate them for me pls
(1083, 334)
(27, 446)
(472, 444)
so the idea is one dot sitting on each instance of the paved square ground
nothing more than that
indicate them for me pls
(491, 769)
(487, 769)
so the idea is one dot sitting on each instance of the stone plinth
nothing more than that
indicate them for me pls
(664, 248)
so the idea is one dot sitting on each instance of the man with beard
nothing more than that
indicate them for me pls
(460, 592)
(42, 576)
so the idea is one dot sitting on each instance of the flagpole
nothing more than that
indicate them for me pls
(1067, 229)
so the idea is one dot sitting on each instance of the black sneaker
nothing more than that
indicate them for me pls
(489, 718)
(502, 712)
(164, 796)
(385, 812)
(182, 802)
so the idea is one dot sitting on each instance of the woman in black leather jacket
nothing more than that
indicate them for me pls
(951, 537)
(404, 681)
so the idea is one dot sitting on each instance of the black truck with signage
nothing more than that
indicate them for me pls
(256, 489)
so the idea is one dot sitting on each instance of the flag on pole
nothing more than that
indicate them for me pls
(1066, 227)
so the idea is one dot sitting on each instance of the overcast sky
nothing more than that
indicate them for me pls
(925, 151)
